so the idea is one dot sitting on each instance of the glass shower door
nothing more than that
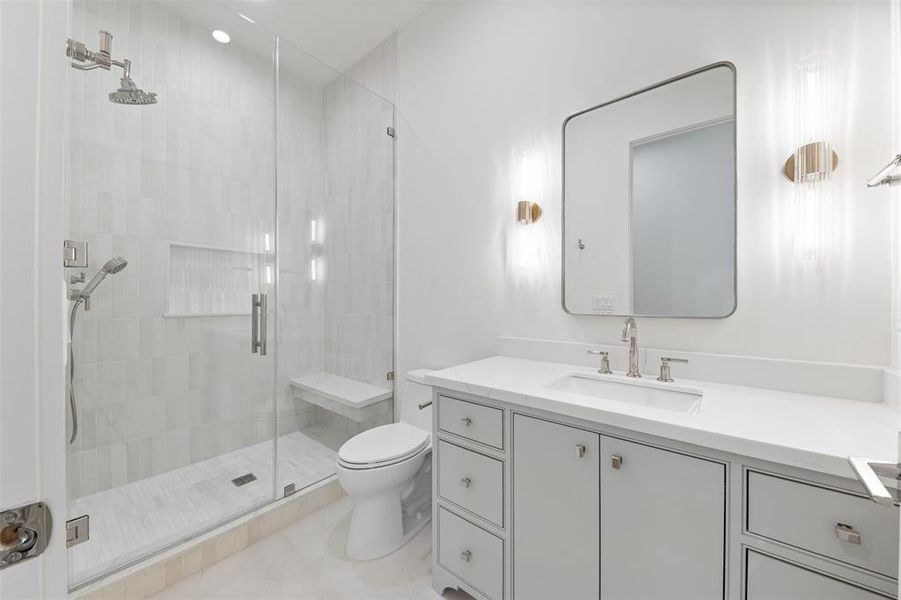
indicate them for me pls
(174, 399)
(336, 264)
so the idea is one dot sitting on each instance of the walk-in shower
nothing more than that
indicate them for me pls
(260, 171)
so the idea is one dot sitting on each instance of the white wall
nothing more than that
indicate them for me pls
(480, 81)
(32, 414)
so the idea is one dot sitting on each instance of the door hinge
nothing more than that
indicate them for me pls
(290, 489)
(75, 254)
(78, 530)
(389, 375)
(391, 132)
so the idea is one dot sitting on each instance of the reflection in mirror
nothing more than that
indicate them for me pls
(649, 201)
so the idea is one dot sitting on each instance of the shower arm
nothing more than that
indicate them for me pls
(101, 59)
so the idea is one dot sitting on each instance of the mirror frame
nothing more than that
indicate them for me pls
(729, 65)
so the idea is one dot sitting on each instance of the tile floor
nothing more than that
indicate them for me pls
(133, 520)
(306, 560)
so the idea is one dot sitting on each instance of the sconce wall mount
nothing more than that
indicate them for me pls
(527, 212)
(809, 163)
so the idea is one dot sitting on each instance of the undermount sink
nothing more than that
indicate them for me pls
(644, 394)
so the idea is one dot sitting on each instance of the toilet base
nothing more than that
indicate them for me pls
(377, 527)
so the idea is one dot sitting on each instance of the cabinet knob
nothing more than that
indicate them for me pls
(466, 421)
(466, 482)
(466, 555)
(581, 450)
(616, 462)
(846, 533)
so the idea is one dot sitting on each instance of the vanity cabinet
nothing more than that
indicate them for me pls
(599, 516)
(533, 505)
(556, 543)
(663, 523)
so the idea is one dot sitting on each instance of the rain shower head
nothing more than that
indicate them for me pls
(85, 59)
(129, 93)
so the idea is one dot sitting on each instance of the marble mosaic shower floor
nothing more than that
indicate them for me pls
(139, 518)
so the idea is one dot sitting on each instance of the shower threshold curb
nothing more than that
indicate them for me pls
(164, 569)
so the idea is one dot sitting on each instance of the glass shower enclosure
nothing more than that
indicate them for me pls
(251, 330)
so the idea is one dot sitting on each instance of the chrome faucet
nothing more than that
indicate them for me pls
(630, 334)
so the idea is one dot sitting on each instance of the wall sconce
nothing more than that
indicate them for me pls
(527, 212)
(812, 164)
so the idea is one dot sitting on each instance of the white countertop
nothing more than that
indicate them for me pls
(810, 432)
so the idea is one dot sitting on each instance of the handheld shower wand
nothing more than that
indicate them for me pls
(79, 297)
(111, 267)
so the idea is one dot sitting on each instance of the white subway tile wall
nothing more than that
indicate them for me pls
(185, 190)
(155, 393)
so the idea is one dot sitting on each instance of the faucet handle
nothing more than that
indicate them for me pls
(605, 361)
(665, 371)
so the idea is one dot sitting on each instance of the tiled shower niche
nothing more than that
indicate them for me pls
(209, 281)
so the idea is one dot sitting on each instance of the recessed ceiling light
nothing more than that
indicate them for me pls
(221, 37)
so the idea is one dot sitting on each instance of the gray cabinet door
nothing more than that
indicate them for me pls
(769, 578)
(555, 511)
(662, 523)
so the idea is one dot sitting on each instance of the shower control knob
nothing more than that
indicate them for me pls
(466, 421)
(466, 555)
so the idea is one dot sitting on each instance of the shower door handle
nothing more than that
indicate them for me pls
(258, 324)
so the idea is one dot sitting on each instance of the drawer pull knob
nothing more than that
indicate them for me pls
(616, 462)
(466, 421)
(466, 555)
(846, 533)
(580, 450)
(466, 482)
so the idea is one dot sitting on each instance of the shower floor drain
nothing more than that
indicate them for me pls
(244, 479)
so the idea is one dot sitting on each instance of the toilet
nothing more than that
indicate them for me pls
(386, 471)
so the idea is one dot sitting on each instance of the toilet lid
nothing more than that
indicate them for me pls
(385, 443)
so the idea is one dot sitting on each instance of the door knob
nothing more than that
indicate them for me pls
(16, 538)
(581, 450)
(24, 533)
(466, 421)
(466, 555)
(616, 462)
(466, 482)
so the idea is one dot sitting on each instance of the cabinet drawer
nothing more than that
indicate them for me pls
(811, 518)
(768, 578)
(471, 553)
(471, 480)
(473, 421)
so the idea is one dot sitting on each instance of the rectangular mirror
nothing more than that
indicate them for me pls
(649, 201)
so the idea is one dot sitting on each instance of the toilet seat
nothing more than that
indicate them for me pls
(383, 446)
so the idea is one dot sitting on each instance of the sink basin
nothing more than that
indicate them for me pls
(680, 400)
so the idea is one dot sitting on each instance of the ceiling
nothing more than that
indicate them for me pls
(337, 32)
